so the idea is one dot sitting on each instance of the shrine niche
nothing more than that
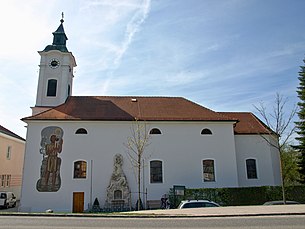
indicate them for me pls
(51, 146)
(118, 192)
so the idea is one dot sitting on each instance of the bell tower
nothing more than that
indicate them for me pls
(55, 74)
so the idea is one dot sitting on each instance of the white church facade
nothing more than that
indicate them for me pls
(76, 145)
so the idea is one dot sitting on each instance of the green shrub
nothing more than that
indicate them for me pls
(241, 196)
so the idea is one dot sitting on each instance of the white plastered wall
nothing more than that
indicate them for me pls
(180, 147)
(267, 160)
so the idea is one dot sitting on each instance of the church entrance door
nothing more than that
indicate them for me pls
(78, 202)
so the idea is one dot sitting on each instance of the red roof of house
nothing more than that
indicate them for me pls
(128, 108)
(248, 123)
(10, 133)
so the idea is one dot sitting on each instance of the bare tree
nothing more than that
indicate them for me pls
(279, 122)
(136, 145)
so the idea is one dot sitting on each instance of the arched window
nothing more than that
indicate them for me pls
(156, 175)
(81, 131)
(80, 169)
(251, 169)
(206, 131)
(208, 170)
(52, 88)
(155, 131)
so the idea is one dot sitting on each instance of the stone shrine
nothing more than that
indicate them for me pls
(118, 192)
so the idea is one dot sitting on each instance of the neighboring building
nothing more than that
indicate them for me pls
(75, 144)
(12, 149)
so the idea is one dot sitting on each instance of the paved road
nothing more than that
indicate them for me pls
(232, 211)
(278, 222)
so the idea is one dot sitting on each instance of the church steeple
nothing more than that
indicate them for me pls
(56, 72)
(59, 38)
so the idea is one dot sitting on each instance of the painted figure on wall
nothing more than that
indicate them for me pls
(51, 146)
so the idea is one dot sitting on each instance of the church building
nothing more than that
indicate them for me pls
(77, 146)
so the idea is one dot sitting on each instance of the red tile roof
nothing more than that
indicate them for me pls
(10, 133)
(248, 123)
(127, 108)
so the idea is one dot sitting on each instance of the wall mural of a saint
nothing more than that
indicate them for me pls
(51, 146)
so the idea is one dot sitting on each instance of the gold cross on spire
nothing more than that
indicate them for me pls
(62, 17)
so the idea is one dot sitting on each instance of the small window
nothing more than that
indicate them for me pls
(156, 175)
(81, 131)
(3, 180)
(8, 153)
(206, 131)
(251, 169)
(80, 169)
(118, 195)
(208, 170)
(8, 180)
(52, 88)
(155, 131)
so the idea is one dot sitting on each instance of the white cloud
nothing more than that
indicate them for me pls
(132, 27)
(103, 37)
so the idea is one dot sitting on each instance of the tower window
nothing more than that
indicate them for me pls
(52, 87)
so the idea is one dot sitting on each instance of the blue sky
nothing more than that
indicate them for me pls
(227, 55)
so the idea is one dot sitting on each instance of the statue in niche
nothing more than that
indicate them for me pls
(51, 146)
(118, 192)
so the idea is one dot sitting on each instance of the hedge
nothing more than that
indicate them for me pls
(241, 196)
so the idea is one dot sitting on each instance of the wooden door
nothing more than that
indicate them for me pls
(78, 201)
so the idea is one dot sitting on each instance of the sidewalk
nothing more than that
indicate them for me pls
(236, 211)
(260, 210)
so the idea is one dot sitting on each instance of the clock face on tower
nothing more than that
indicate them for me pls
(54, 63)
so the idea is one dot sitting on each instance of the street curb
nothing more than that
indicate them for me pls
(126, 215)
